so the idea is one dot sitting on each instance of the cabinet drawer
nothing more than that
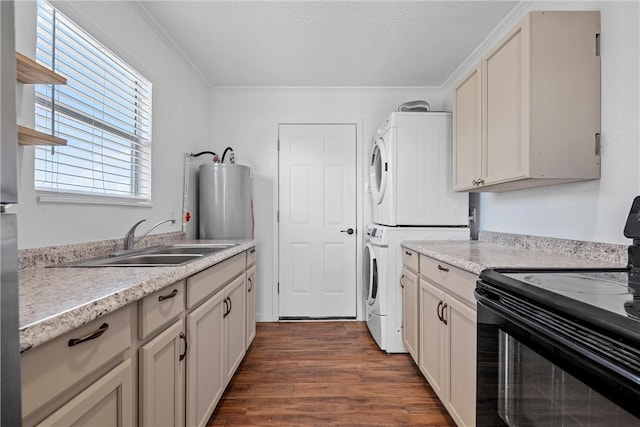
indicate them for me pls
(410, 259)
(451, 279)
(213, 279)
(160, 308)
(251, 257)
(52, 368)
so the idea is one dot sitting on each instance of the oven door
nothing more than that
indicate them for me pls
(529, 376)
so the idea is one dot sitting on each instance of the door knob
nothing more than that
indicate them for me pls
(348, 231)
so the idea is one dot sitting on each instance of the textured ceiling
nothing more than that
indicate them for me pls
(325, 43)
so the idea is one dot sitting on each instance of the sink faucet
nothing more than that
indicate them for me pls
(129, 238)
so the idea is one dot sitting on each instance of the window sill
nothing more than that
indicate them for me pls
(44, 196)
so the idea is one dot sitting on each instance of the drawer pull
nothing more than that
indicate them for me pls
(408, 253)
(251, 284)
(171, 295)
(92, 336)
(183, 338)
(441, 268)
(252, 251)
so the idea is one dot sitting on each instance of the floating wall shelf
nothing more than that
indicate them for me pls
(27, 136)
(30, 72)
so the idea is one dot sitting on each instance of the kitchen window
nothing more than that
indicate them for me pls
(104, 113)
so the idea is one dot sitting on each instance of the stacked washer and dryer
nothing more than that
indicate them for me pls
(413, 199)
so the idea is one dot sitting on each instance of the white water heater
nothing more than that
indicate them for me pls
(224, 201)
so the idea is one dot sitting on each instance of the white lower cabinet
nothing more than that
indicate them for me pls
(251, 305)
(410, 312)
(106, 402)
(235, 328)
(433, 337)
(205, 357)
(447, 350)
(162, 378)
(460, 396)
(185, 342)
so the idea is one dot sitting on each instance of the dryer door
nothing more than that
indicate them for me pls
(370, 274)
(378, 170)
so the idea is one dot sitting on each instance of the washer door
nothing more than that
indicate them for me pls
(378, 169)
(370, 274)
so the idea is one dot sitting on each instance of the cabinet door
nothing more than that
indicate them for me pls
(205, 356)
(432, 337)
(106, 402)
(161, 372)
(410, 316)
(235, 326)
(251, 305)
(506, 75)
(467, 131)
(461, 370)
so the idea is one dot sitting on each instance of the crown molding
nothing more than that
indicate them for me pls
(510, 19)
(144, 12)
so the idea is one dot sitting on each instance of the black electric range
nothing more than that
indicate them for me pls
(560, 346)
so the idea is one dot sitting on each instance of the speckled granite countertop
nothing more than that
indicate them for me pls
(54, 301)
(495, 250)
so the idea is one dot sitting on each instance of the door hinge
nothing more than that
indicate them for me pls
(278, 287)
(278, 145)
(278, 216)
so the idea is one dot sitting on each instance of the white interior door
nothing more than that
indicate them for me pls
(317, 207)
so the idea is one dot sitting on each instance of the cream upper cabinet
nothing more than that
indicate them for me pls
(529, 114)
(467, 119)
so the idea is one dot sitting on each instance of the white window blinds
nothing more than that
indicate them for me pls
(104, 113)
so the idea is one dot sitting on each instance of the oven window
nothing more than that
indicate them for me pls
(535, 392)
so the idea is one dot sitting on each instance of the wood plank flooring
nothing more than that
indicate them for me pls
(326, 374)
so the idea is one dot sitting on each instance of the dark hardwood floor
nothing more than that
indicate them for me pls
(326, 374)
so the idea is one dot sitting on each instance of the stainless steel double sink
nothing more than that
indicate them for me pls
(156, 256)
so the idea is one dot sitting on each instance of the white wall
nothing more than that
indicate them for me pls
(247, 120)
(180, 115)
(593, 210)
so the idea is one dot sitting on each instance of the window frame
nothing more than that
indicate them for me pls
(132, 154)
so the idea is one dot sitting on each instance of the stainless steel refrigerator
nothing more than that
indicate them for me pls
(10, 412)
(224, 201)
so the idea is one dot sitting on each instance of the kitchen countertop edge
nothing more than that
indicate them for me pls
(474, 256)
(37, 331)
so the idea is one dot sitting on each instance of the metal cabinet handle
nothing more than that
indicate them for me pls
(348, 231)
(171, 295)
(92, 336)
(438, 311)
(230, 305)
(444, 307)
(183, 337)
(225, 313)
(441, 268)
(402, 281)
(480, 181)
(252, 251)
(408, 253)
(251, 283)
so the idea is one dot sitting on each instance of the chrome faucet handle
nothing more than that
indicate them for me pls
(130, 236)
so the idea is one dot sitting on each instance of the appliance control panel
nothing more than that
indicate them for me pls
(375, 234)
